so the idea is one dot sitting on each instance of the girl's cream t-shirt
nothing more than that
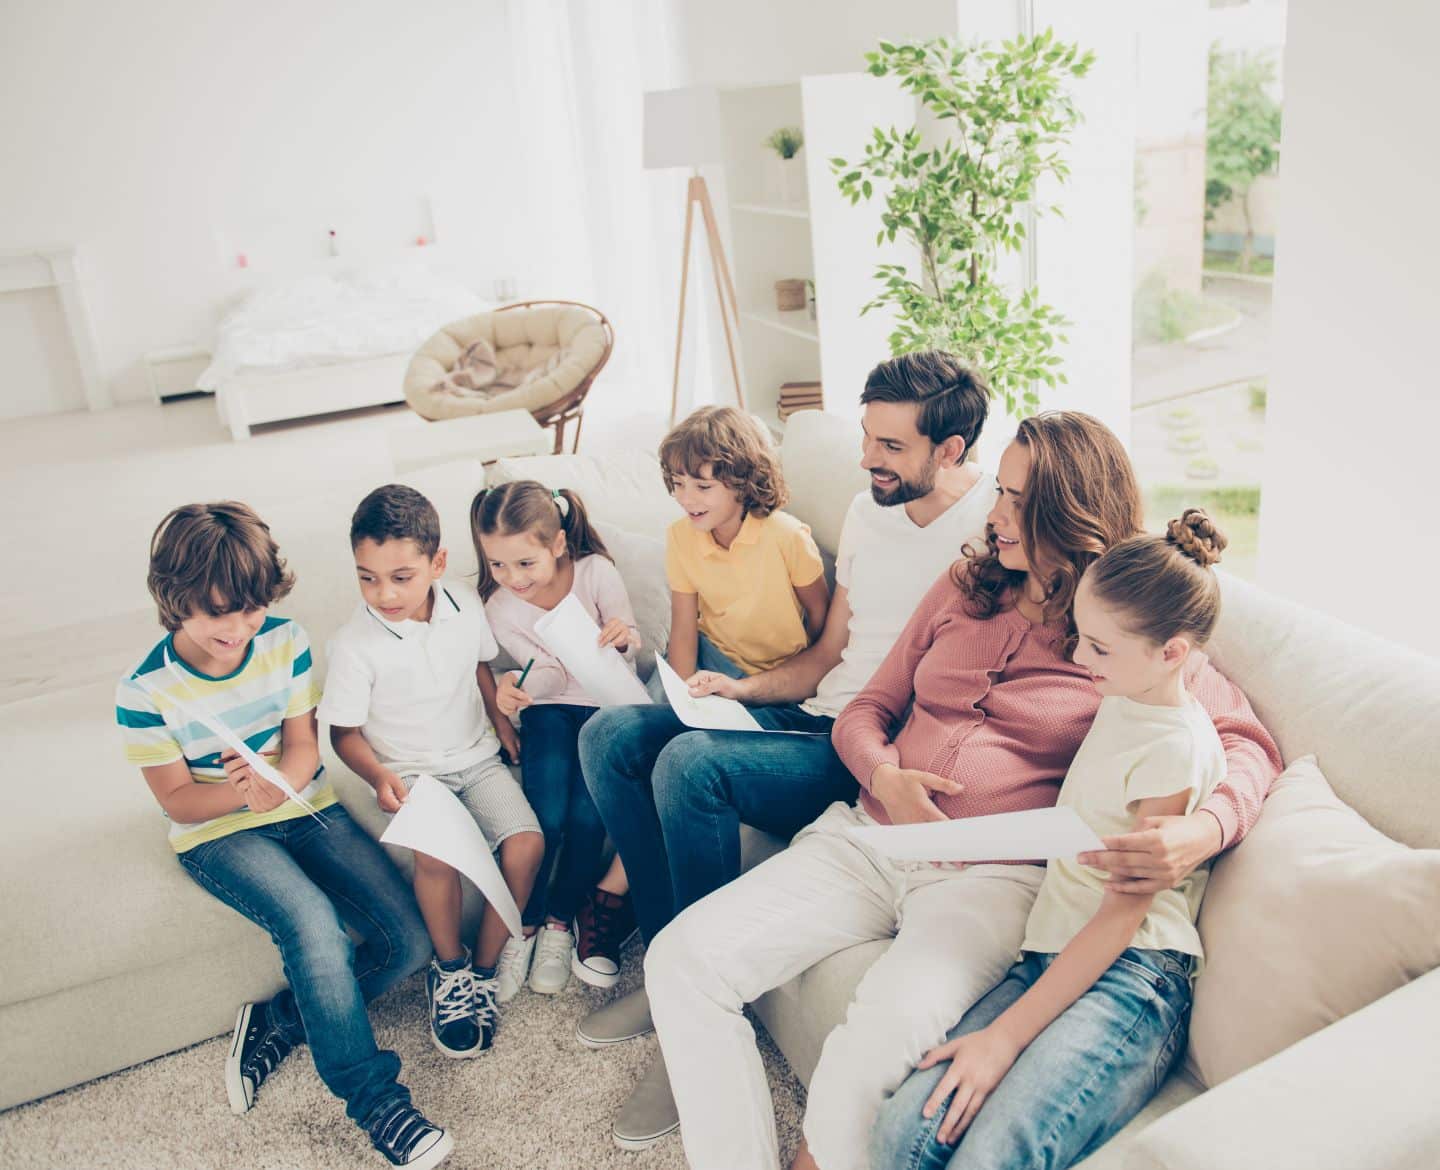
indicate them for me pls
(1133, 751)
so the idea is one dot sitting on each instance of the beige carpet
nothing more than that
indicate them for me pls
(536, 1100)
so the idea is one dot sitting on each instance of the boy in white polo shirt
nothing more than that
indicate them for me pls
(409, 691)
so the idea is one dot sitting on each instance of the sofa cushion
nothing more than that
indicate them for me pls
(1367, 709)
(93, 890)
(624, 491)
(1314, 915)
(821, 458)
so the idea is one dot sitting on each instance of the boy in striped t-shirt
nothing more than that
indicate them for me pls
(225, 666)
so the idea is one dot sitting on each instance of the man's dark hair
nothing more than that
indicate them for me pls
(396, 512)
(953, 396)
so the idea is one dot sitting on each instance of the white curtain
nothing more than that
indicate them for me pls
(593, 225)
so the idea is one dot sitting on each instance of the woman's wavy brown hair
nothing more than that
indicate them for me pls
(738, 452)
(1079, 499)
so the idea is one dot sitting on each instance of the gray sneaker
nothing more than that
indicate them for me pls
(650, 1113)
(626, 1018)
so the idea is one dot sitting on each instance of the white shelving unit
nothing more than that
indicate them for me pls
(815, 235)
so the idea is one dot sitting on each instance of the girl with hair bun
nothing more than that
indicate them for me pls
(536, 546)
(1104, 977)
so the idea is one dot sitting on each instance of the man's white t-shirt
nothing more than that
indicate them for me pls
(410, 686)
(887, 562)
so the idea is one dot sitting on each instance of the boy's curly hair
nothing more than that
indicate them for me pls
(215, 559)
(736, 450)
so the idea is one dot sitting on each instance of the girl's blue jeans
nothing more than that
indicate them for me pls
(574, 833)
(302, 882)
(1075, 1087)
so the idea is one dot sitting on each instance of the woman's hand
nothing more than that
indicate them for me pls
(509, 698)
(390, 792)
(709, 682)
(616, 633)
(1158, 854)
(906, 793)
(978, 1063)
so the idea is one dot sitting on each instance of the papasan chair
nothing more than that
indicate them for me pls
(540, 356)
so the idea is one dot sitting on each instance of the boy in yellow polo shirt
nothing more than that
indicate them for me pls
(747, 587)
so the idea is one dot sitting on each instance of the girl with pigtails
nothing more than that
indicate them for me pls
(536, 547)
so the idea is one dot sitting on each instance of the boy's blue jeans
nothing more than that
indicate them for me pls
(1075, 1087)
(673, 798)
(574, 833)
(301, 881)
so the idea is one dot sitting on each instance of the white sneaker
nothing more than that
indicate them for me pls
(551, 970)
(513, 966)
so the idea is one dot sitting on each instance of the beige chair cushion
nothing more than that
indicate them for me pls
(571, 338)
(1314, 915)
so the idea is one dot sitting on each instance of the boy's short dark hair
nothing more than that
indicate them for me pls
(396, 512)
(953, 395)
(215, 559)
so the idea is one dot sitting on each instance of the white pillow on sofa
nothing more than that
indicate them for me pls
(1314, 915)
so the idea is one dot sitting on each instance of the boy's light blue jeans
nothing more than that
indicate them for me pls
(1075, 1087)
(673, 798)
(301, 881)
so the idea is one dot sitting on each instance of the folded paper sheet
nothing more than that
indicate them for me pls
(572, 636)
(1035, 835)
(197, 712)
(432, 820)
(709, 712)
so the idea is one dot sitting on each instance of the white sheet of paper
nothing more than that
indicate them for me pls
(1035, 835)
(198, 713)
(709, 712)
(571, 635)
(433, 820)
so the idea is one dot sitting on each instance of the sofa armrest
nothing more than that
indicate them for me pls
(1358, 1093)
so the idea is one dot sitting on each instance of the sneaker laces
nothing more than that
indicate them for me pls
(599, 924)
(455, 994)
(263, 1059)
(483, 1007)
(400, 1129)
(510, 957)
(554, 947)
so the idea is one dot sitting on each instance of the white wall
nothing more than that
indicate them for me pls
(155, 136)
(755, 42)
(1085, 259)
(1347, 507)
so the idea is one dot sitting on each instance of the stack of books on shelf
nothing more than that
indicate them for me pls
(796, 396)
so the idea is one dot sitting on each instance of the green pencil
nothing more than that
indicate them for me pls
(520, 682)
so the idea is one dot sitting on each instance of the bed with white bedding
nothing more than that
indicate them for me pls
(324, 343)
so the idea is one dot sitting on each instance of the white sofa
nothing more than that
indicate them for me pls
(113, 956)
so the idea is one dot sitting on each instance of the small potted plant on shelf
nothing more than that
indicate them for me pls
(789, 171)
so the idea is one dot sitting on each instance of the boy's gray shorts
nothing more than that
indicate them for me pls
(493, 797)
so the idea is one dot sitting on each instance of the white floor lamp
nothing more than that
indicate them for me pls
(682, 129)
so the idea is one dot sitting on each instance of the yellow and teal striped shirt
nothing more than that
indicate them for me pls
(274, 683)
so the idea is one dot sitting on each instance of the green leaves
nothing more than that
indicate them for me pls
(1006, 114)
(1242, 140)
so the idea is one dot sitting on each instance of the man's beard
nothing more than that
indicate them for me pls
(906, 490)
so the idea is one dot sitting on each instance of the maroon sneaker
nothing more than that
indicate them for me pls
(603, 925)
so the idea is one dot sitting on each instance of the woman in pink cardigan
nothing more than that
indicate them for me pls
(977, 709)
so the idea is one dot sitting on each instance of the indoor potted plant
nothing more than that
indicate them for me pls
(961, 194)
